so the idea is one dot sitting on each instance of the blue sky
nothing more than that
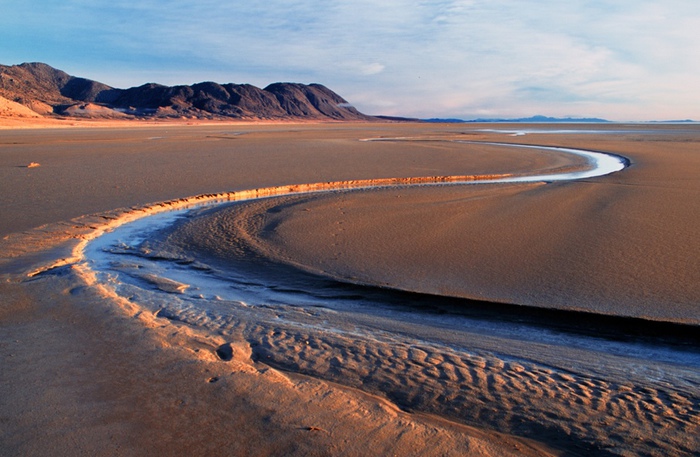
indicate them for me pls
(620, 60)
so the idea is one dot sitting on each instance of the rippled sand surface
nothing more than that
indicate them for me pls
(434, 376)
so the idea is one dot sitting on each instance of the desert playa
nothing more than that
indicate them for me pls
(525, 318)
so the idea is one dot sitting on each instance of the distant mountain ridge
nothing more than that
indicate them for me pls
(533, 119)
(49, 91)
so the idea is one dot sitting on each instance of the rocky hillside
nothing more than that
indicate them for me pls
(48, 91)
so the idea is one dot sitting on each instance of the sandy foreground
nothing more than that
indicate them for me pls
(87, 373)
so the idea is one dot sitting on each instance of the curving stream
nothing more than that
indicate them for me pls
(487, 365)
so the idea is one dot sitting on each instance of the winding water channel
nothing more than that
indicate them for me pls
(510, 373)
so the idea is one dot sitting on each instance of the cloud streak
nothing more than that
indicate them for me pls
(624, 60)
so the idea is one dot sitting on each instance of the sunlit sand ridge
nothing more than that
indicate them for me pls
(569, 391)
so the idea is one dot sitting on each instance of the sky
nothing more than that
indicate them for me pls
(623, 60)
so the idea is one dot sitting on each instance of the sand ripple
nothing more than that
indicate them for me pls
(587, 401)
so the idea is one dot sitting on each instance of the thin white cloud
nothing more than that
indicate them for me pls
(371, 69)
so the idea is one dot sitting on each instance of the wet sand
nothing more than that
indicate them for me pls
(90, 373)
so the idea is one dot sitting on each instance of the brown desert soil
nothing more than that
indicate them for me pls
(87, 373)
(13, 110)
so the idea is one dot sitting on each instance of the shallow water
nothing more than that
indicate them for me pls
(518, 375)
(601, 165)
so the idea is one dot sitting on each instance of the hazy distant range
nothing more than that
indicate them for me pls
(544, 119)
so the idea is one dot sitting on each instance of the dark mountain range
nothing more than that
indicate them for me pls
(49, 91)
